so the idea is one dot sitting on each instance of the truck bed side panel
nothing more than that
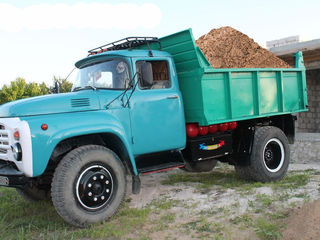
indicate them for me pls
(213, 96)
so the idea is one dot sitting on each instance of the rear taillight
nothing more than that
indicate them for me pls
(203, 130)
(213, 128)
(192, 129)
(223, 127)
(232, 125)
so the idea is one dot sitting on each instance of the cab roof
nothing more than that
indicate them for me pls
(121, 53)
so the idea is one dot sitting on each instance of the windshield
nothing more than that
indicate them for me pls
(111, 74)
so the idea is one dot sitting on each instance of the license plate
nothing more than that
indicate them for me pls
(4, 181)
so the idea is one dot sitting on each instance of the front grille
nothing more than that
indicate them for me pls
(3, 151)
(4, 140)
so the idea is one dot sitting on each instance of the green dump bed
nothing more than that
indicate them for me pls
(213, 96)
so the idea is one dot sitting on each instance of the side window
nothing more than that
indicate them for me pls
(153, 74)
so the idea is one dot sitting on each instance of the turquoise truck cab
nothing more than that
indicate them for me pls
(102, 106)
(143, 105)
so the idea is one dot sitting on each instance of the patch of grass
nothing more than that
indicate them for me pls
(301, 195)
(226, 178)
(243, 219)
(293, 204)
(162, 223)
(204, 226)
(168, 218)
(38, 220)
(284, 196)
(267, 230)
(282, 214)
(292, 181)
(164, 204)
(265, 200)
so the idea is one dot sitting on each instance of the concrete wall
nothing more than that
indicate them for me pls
(306, 148)
(310, 121)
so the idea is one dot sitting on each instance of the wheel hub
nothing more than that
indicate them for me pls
(273, 155)
(268, 155)
(94, 187)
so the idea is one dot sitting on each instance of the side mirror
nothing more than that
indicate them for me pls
(56, 88)
(146, 74)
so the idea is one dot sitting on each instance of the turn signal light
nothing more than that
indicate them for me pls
(44, 126)
(16, 135)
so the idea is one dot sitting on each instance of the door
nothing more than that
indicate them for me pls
(157, 117)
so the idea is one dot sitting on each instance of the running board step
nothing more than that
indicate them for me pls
(159, 161)
(161, 167)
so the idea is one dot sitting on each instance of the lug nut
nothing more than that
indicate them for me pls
(95, 199)
(107, 182)
(101, 177)
(89, 185)
(102, 197)
(107, 190)
(94, 178)
(90, 194)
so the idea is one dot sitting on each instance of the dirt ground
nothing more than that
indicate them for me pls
(304, 223)
(226, 209)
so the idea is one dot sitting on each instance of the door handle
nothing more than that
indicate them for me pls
(172, 97)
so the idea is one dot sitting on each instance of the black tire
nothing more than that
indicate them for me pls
(33, 193)
(88, 185)
(270, 156)
(202, 166)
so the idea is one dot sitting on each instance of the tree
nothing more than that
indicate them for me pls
(14, 91)
(19, 89)
(44, 90)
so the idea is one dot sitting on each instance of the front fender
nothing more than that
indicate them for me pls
(68, 125)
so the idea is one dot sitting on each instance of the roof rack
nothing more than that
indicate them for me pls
(125, 43)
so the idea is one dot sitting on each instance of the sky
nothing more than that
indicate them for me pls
(40, 39)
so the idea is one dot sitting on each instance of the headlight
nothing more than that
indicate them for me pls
(16, 150)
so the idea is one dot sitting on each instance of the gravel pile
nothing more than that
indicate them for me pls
(226, 47)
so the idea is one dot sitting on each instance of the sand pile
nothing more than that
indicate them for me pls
(228, 48)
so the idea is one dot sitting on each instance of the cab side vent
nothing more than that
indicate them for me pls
(80, 102)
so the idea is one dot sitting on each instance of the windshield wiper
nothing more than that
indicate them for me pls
(123, 94)
(83, 88)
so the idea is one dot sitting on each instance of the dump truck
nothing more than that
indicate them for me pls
(143, 105)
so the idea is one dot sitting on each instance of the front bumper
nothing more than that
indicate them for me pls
(10, 176)
(7, 127)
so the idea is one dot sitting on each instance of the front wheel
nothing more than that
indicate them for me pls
(89, 185)
(270, 156)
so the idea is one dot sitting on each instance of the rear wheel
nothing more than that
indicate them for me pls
(269, 158)
(89, 185)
